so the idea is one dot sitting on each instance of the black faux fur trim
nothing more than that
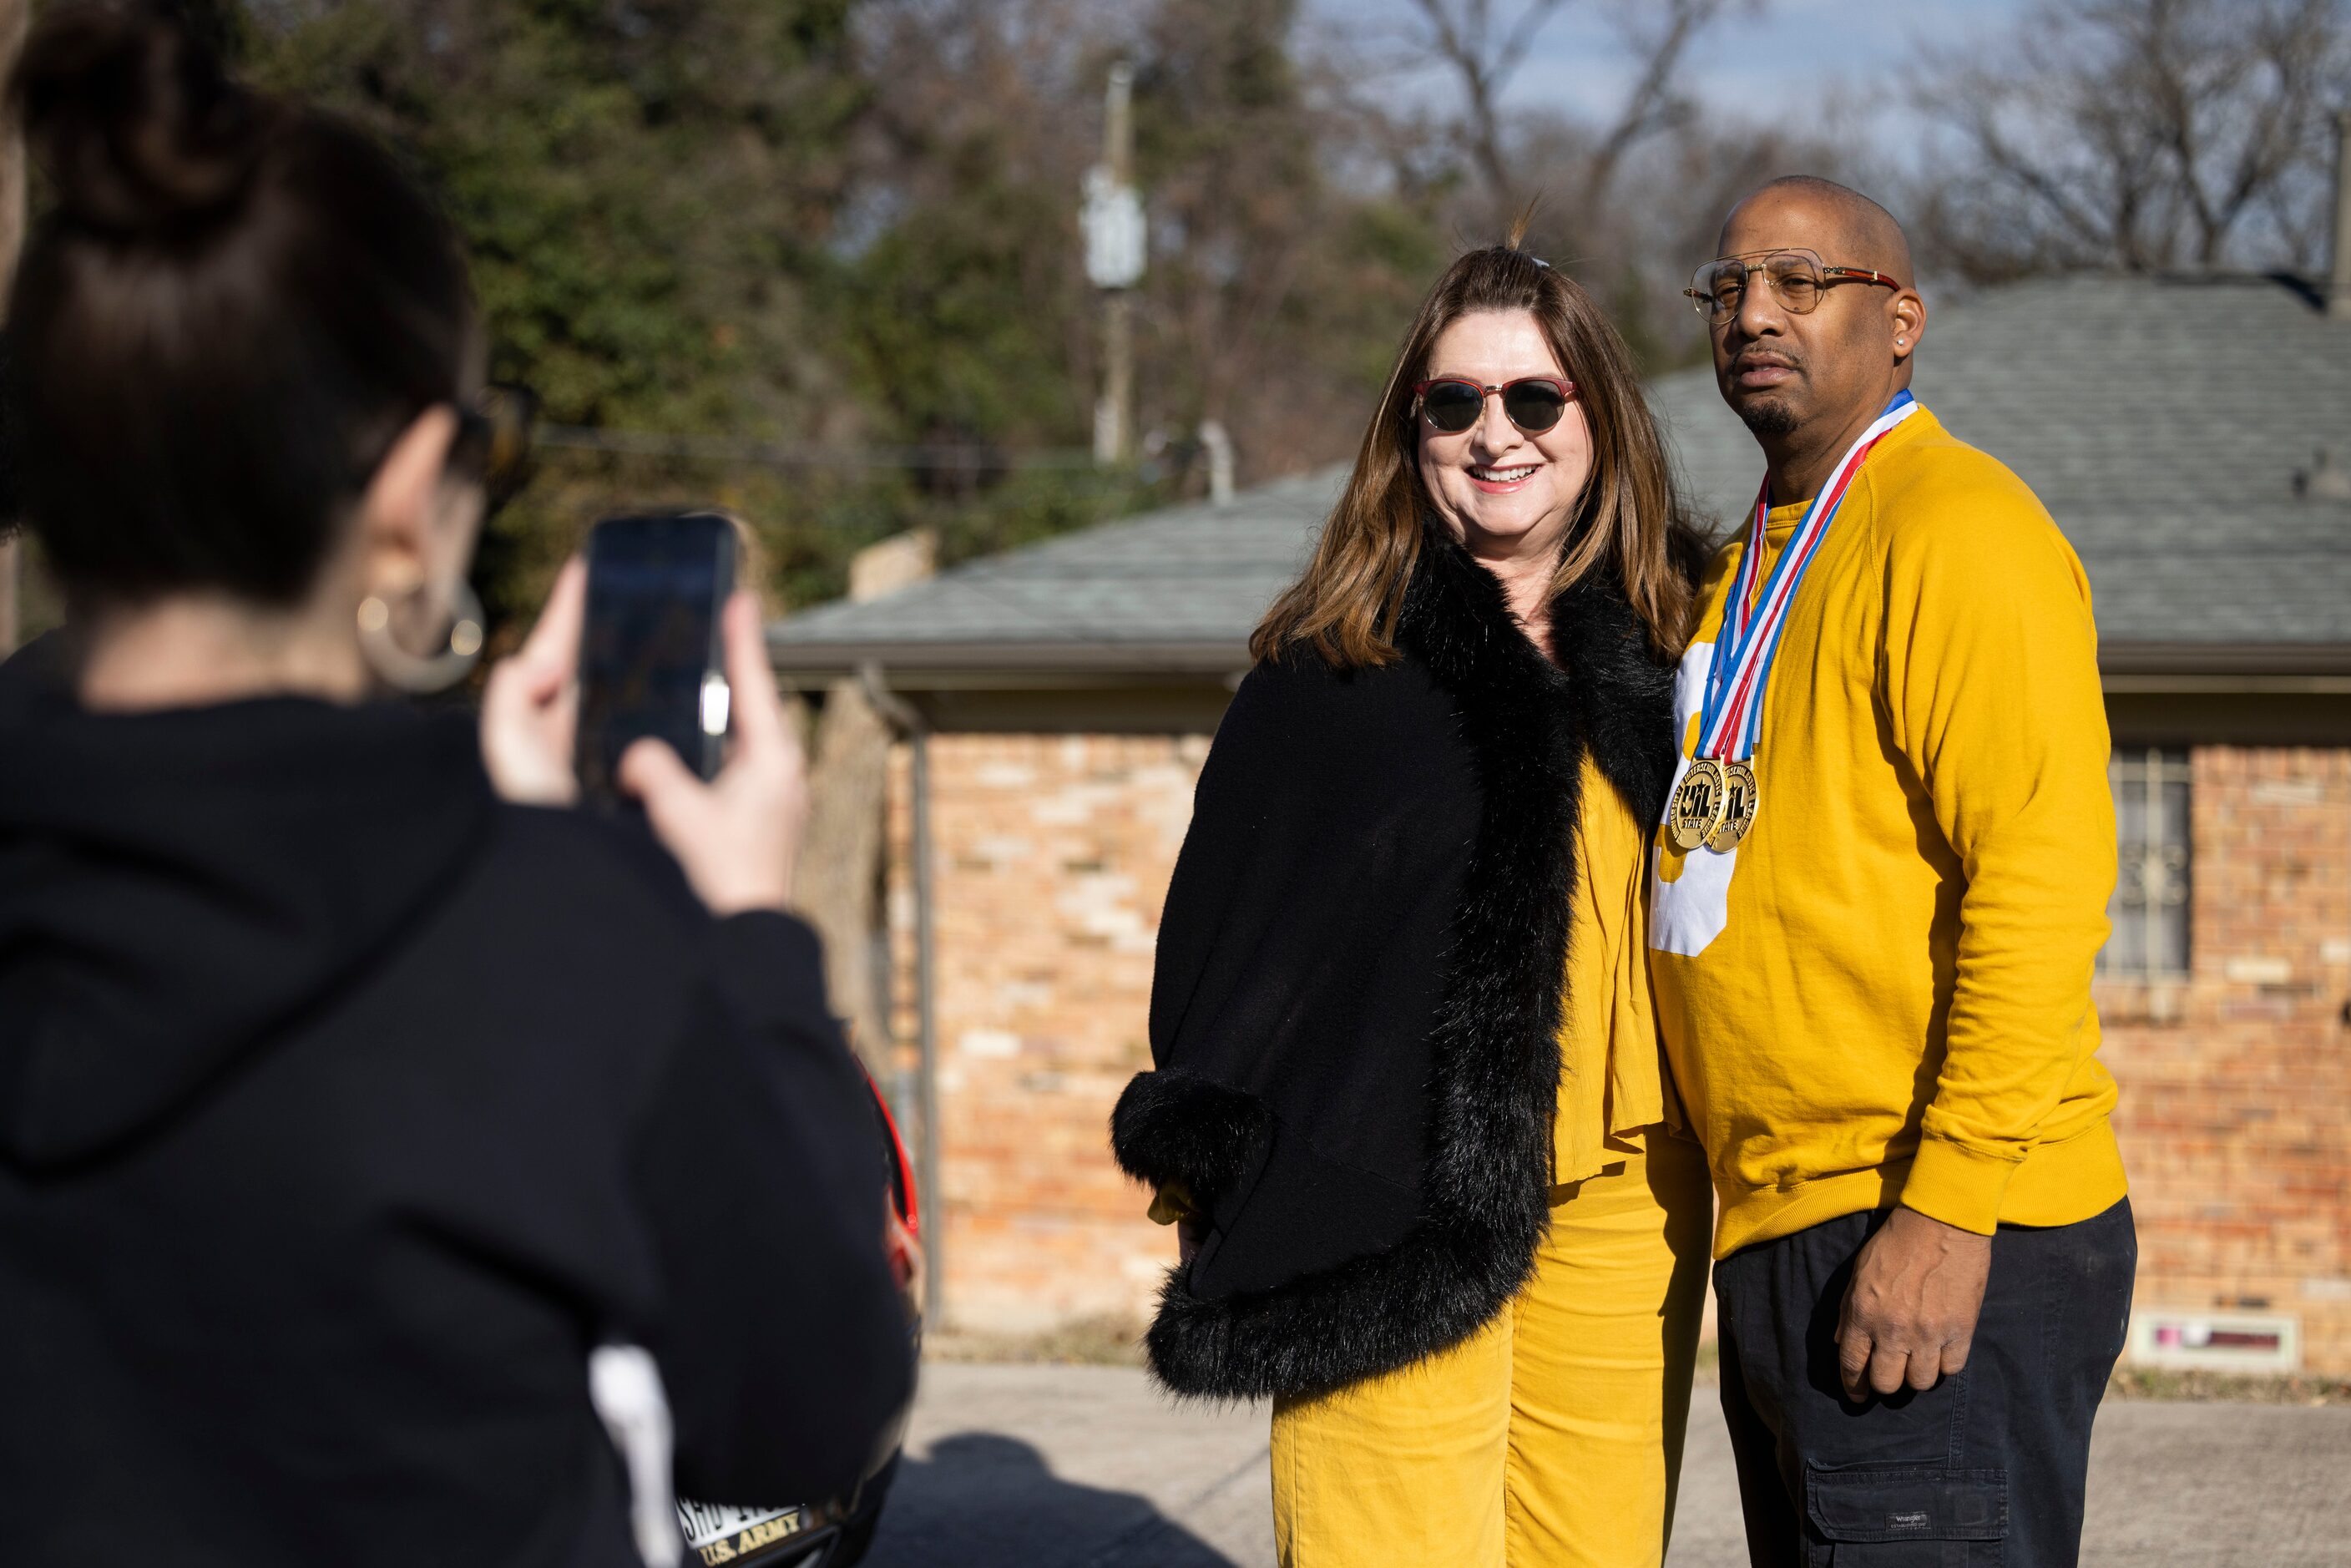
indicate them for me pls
(1174, 1127)
(1496, 1080)
(1627, 710)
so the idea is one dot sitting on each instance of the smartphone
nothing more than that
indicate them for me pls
(651, 662)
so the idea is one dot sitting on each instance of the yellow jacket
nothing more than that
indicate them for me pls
(1611, 1092)
(1883, 995)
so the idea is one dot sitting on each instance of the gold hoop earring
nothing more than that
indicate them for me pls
(398, 668)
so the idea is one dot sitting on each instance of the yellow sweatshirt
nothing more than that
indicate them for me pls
(1882, 995)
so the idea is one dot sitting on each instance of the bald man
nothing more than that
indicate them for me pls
(1877, 897)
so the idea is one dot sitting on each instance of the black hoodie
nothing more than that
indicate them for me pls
(344, 1109)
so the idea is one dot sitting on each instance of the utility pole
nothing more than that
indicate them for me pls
(2338, 289)
(1115, 241)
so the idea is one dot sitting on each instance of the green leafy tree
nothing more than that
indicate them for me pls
(645, 189)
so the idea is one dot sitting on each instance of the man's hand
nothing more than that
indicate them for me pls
(1911, 1313)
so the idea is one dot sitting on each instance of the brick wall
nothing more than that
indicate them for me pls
(1054, 855)
(2236, 1086)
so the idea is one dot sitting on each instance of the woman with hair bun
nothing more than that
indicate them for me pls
(351, 1097)
(1408, 1105)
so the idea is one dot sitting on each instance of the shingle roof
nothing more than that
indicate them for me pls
(1172, 589)
(2161, 419)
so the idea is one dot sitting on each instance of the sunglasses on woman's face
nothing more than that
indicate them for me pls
(1454, 404)
(494, 440)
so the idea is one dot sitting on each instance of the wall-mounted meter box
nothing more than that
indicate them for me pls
(2192, 1340)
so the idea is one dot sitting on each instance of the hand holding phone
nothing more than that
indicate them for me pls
(738, 836)
(649, 659)
(530, 706)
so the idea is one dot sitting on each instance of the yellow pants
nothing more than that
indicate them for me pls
(1553, 1439)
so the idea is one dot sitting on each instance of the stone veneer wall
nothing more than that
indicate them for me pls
(1054, 855)
(2236, 1086)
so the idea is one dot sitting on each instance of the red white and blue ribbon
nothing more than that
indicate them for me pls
(1731, 721)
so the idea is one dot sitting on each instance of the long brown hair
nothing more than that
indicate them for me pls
(1628, 519)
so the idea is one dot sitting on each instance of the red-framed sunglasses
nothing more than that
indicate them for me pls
(1454, 404)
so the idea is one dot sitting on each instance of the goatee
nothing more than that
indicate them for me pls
(1768, 416)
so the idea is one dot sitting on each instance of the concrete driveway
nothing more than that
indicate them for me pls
(1086, 1467)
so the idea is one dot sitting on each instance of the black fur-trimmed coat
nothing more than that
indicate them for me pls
(1355, 1015)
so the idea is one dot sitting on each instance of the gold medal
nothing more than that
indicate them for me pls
(1698, 803)
(1740, 800)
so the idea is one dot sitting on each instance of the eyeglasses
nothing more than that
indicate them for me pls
(1454, 404)
(494, 440)
(1796, 276)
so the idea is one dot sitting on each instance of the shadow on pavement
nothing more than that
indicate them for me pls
(983, 1501)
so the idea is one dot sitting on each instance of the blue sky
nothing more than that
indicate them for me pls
(1783, 60)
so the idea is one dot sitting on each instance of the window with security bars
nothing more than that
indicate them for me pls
(2150, 907)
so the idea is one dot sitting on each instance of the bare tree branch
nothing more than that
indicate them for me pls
(1462, 33)
(1521, 39)
(1485, 51)
(2141, 133)
(1654, 104)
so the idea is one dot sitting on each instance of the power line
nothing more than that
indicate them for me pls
(967, 458)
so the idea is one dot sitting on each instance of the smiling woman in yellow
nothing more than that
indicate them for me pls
(1408, 1102)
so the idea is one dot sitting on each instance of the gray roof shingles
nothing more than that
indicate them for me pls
(1195, 576)
(2160, 420)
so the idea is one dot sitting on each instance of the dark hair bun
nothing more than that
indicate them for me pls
(133, 118)
(232, 308)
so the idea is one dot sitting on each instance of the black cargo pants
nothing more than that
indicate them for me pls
(1985, 1470)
